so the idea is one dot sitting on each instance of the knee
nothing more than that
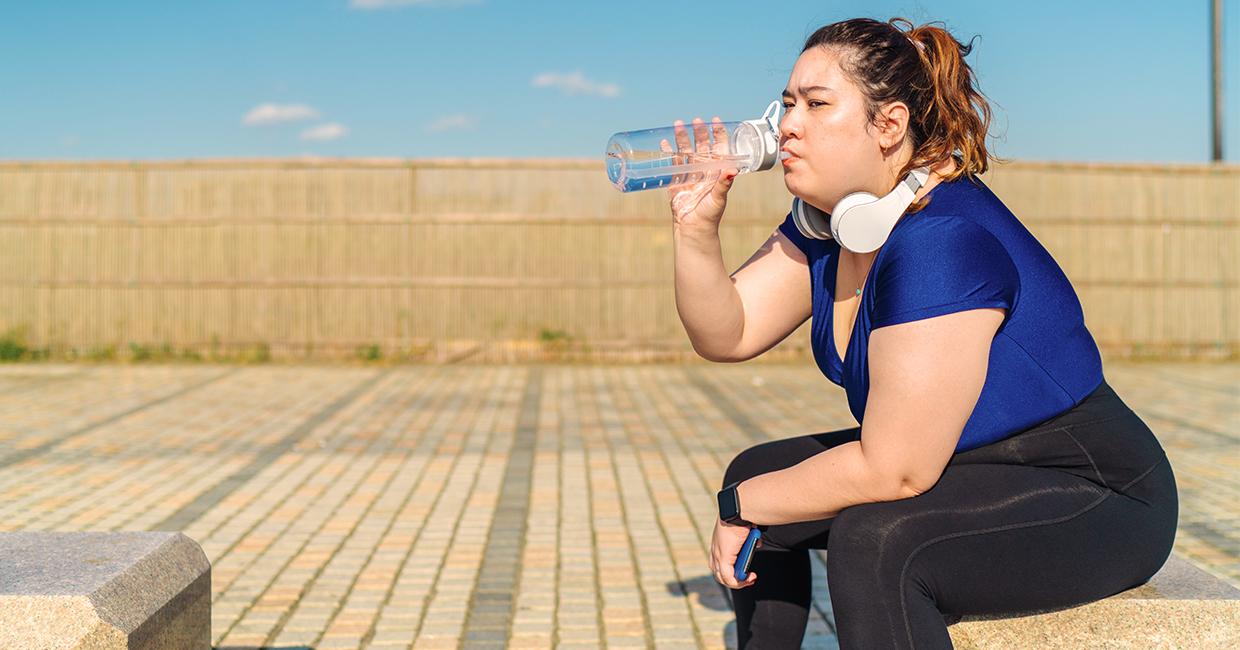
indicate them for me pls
(863, 570)
(747, 464)
(854, 535)
(871, 538)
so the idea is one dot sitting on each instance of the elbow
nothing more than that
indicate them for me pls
(904, 485)
(901, 477)
(911, 485)
(715, 355)
(908, 489)
(703, 352)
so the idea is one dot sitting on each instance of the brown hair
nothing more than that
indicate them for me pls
(924, 68)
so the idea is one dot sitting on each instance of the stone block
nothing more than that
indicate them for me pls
(1182, 606)
(97, 590)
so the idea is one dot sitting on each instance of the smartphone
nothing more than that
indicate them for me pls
(746, 555)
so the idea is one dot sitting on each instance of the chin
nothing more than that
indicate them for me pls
(793, 182)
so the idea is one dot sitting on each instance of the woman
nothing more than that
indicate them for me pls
(994, 470)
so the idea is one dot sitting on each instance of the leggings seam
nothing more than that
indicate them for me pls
(1077, 425)
(1142, 475)
(1088, 457)
(1108, 418)
(904, 605)
(1029, 433)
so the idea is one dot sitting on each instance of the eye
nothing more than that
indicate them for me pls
(819, 103)
(787, 105)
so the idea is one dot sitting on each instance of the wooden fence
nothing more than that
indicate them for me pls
(450, 259)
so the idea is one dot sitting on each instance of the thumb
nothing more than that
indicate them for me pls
(725, 182)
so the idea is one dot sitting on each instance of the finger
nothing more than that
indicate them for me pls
(683, 145)
(701, 144)
(701, 136)
(750, 579)
(721, 135)
(722, 186)
(682, 136)
(666, 147)
(728, 573)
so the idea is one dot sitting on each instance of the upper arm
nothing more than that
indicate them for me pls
(774, 288)
(940, 298)
(925, 379)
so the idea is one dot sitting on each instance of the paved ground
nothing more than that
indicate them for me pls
(526, 506)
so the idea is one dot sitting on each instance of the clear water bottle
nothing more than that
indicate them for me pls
(636, 160)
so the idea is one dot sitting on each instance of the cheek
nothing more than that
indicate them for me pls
(828, 137)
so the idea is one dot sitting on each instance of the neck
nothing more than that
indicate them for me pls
(862, 261)
(936, 176)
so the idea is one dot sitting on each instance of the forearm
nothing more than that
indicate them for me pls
(706, 299)
(818, 488)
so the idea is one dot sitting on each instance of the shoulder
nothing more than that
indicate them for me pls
(948, 243)
(941, 263)
(944, 232)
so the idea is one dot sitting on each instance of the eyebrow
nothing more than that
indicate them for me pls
(805, 90)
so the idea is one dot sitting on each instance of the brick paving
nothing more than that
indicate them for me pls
(479, 506)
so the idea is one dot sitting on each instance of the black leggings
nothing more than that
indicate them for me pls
(1071, 510)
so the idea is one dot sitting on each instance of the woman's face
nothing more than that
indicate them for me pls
(824, 126)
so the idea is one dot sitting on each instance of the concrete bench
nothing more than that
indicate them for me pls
(97, 590)
(1180, 607)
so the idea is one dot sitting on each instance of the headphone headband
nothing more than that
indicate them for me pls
(860, 222)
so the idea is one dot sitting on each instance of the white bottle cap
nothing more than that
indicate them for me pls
(762, 139)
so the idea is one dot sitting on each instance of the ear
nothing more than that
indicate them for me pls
(892, 124)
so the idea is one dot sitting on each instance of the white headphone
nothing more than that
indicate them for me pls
(861, 221)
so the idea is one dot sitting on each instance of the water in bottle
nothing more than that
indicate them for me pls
(637, 161)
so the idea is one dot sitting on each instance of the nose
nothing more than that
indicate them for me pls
(789, 124)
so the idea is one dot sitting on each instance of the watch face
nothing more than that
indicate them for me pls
(728, 508)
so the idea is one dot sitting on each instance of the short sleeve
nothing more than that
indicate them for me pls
(789, 228)
(939, 266)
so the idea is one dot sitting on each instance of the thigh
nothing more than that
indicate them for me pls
(1005, 538)
(780, 454)
(775, 455)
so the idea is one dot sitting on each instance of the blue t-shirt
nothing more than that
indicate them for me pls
(964, 250)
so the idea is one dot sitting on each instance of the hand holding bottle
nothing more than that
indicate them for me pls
(644, 159)
(698, 199)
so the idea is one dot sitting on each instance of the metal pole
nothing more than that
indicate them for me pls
(1216, 83)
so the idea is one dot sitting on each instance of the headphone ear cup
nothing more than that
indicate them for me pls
(861, 222)
(850, 201)
(812, 222)
(845, 219)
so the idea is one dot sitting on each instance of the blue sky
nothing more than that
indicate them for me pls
(1095, 80)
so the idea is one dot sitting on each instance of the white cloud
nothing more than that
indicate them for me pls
(574, 83)
(325, 132)
(278, 114)
(451, 123)
(389, 4)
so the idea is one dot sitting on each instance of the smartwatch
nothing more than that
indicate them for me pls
(730, 506)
